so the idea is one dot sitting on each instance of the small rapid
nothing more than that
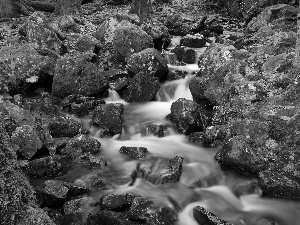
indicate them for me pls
(217, 194)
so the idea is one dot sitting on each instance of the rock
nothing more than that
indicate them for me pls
(108, 218)
(54, 193)
(163, 216)
(87, 43)
(22, 67)
(157, 130)
(139, 208)
(48, 105)
(179, 51)
(43, 167)
(186, 116)
(281, 16)
(74, 212)
(124, 38)
(81, 145)
(65, 127)
(116, 202)
(35, 216)
(175, 25)
(189, 56)
(197, 138)
(160, 170)
(148, 61)
(74, 206)
(78, 74)
(28, 141)
(276, 184)
(159, 33)
(80, 105)
(37, 30)
(204, 217)
(246, 188)
(109, 117)
(74, 189)
(193, 41)
(96, 162)
(134, 152)
(142, 88)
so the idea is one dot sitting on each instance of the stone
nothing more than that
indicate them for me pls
(139, 208)
(189, 56)
(79, 74)
(43, 167)
(28, 141)
(65, 127)
(81, 145)
(163, 216)
(116, 202)
(186, 116)
(109, 117)
(54, 193)
(193, 41)
(148, 61)
(108, 217)
(134, 152)
(204, 217)
(142, 88)
(160, 170)
(87, 43)
(80, 105)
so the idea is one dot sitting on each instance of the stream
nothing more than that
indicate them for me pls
(199, 165)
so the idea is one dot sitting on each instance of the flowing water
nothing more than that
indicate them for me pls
(199, 164)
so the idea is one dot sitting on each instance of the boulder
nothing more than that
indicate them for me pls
(116, 202)
(148, 61)
(204, 217)
(160, 170)
(65, 127)
(142, 88)
(54, 193)
(22, 67)
(108, 217)
(193, 41)
(186, 116)
(163, 216)
(109, 117)
(134, 152)
(80, 105)
(87, 43)
(189, 56)
(43, 167)
(80, 145)
(79, 74)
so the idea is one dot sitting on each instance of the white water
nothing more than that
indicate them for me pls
(198, 163)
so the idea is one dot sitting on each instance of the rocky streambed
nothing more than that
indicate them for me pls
(181, 120)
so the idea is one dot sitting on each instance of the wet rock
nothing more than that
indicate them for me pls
(186, 116)
(37, 30)
(148, 61)
(280, 16)
(159, 33)
(134, 152)
(108, 218)
(43, 167)
(81, 145)
(65, 127)
(73, 212)
(28, 141)
(158, 130)
(54, 193)
(96, 162)
(189, 56)
(179, 51)
(160, 170)
(109, 117)
(48, 105)
(276, 184)
(123, 37)
(193, 41)
(239, 154)
(28, 68)
(204, 217)
(139, 208)
(197, 137)
(87, 43)
(80, 105)
(246, 188)
(176, 26)
(35, 216)
(142, 88)
(78, 74)
(116, 202)
(164, 216)
(74, 206)
(74, 189)
(171, 58)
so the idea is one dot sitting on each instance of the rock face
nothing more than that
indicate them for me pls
(142, 87)
(148, 61)
(109, 117)
(123, 38)
(78, 75)
(186, 116)
(20, 66)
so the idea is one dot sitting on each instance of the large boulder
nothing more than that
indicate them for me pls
(142, 88)
(148, 61)
(123, 38)
(22, 66)
(109, 117)
(79, 74)
(281, 16)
